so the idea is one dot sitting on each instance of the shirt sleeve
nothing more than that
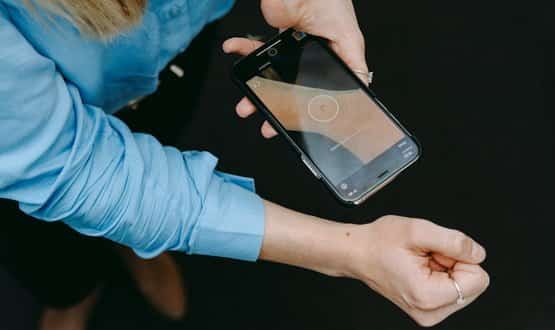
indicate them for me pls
(64, 160)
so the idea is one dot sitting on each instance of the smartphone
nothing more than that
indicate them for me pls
(342, 132)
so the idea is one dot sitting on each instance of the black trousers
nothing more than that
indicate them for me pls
(61, 267)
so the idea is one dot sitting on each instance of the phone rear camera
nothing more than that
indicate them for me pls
(272, 52)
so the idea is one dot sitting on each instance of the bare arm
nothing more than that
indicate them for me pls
(304, 241)
(411, 262)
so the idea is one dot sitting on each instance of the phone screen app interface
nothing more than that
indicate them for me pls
(325, 111)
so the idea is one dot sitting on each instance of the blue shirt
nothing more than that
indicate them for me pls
(63, 157)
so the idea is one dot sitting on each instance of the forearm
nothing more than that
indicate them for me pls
(305, 241)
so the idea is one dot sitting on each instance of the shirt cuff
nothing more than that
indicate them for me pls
(232, 220)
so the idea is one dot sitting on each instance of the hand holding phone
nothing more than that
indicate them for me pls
(334, 20)
(342, 132)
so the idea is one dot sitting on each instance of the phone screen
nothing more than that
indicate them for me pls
(343, 130)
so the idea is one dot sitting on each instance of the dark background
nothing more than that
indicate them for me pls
(475, 83)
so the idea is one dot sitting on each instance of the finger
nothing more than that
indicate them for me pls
(365, 76)
(241, 46)
(268, 131)
(430, 237)
(245, 108)
(352, 50)
(472, 280)
(435, 266)
(437, 295)
(444, 261)
(438, 289)
(433, 317)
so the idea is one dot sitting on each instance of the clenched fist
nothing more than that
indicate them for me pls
(415, 264)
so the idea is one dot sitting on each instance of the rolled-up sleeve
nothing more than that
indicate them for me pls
(64, 160)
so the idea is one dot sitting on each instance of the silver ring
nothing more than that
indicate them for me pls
(460, 299)
(364, 73)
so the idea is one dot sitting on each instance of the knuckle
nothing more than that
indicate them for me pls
(425, 320)
(428, 322)
(414, 229)
(460, 242)
(359, 40)
(389, 220)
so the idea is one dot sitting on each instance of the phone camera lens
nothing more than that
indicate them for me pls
(272, 52)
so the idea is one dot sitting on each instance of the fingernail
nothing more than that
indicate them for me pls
(242, 107)
(479, 253)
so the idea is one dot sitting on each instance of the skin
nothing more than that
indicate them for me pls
(411, 262)
(333, 20)
(356, 121)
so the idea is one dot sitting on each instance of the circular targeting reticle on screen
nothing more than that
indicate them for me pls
(323, 108)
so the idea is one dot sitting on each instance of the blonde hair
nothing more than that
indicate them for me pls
(101, 19)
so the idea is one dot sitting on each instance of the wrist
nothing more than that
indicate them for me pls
(301, 240)
(343, 257)
(338, 250)
(361, 261)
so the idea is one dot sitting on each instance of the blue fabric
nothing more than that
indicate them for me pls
(63, 158)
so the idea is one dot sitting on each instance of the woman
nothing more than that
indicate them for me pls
(66, 65)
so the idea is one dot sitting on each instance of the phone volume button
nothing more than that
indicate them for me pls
(308, 164)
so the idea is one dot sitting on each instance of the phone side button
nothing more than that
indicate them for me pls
(308, 164)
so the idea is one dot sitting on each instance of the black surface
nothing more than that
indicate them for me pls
(475, 82)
